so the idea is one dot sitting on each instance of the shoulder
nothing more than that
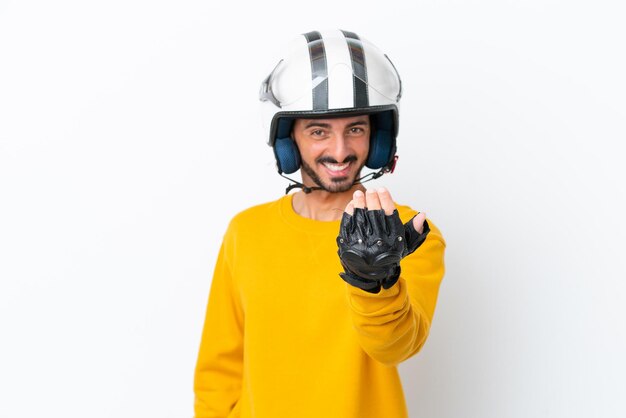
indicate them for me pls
(254, 216)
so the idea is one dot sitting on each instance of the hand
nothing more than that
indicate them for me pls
(381, 198)
(372, 240)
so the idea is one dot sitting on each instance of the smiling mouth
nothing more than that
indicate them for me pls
(337, 168)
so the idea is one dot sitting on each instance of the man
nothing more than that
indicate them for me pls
(284, 335)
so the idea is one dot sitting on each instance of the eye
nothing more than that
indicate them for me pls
(318, 133)
(356, 130)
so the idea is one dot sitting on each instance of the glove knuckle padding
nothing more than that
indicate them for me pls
(371, 246)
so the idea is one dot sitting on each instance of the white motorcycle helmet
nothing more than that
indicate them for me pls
(332, 74)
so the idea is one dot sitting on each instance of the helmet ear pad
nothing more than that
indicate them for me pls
(285, 148)
(382, 140)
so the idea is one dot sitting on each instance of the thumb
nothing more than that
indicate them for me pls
(416, 232)
(418, 222)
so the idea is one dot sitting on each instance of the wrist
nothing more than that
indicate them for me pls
(368, 285)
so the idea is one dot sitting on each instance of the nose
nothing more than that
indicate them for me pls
(339, 147)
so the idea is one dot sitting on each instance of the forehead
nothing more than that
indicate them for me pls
(332, 122)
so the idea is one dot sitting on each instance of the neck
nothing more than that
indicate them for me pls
(321, 205)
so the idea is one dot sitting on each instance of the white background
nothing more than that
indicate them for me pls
(130, 135)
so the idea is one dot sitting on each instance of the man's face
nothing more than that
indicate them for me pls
(333, 150)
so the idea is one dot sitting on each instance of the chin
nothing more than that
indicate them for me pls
(331, 184)
(338, 185)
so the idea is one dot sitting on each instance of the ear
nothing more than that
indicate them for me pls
(382, 140)
(285, 148)
(287, 155)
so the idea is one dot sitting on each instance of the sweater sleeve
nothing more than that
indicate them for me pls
(393, 324)
(218, 374)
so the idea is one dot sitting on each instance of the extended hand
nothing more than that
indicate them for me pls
(377, 199)
(372, 240)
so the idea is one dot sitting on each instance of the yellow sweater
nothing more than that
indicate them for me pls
(286, 337)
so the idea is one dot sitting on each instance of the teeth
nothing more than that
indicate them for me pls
(336, 167)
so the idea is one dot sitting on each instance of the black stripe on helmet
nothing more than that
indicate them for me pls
(319, 70)
(359, 69)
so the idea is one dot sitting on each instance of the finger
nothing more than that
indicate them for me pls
(386, 201)
(371, 200)
(418, 222)
(358, 198)
(350, 208)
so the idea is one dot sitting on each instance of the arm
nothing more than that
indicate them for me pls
(391, 294)
(218, 374)
(392, 325)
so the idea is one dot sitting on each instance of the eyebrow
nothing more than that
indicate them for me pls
(327, 125)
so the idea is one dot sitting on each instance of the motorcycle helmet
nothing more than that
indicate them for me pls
(332, 74)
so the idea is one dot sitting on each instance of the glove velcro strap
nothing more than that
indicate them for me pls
(391, 280)
(367, 285)
(370, 285)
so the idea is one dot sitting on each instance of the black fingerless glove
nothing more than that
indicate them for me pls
(371, 245)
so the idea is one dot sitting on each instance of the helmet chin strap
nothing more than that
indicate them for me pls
(298, 185)
(364, 179)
